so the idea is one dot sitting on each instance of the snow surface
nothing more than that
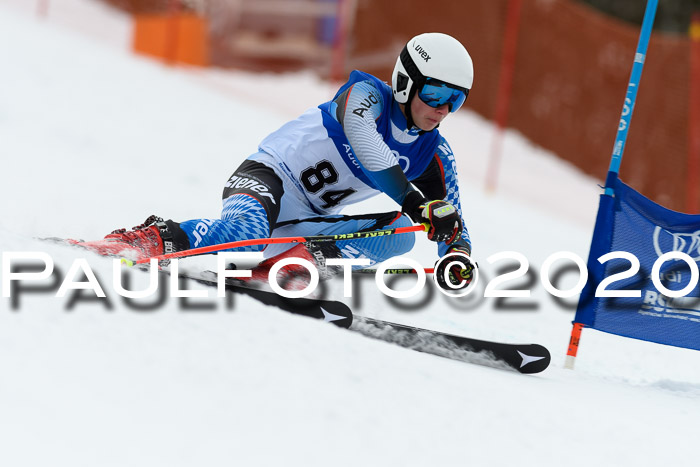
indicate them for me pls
(93, 138)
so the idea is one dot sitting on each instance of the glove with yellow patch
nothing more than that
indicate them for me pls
(440, 217)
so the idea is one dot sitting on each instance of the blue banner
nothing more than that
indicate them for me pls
(629, 222)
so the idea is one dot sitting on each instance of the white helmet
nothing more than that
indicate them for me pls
(432, 55)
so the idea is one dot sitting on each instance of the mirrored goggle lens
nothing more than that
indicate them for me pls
(436, 94)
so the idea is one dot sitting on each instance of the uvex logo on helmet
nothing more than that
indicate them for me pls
(421, 51)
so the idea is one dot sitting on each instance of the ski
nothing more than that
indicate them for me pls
(332, 311)
(524, 358)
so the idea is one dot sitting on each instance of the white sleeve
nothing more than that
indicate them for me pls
(358, 109)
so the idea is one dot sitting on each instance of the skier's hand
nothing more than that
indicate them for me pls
(442, 221)
(459, 267)
(440, 218)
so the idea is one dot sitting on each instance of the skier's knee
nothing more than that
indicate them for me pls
(246, 214)
(401, 243)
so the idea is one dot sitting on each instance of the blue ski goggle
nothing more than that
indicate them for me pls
(436, 93)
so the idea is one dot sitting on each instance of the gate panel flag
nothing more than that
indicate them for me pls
(630, 222)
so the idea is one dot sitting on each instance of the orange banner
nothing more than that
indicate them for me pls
(177, 38)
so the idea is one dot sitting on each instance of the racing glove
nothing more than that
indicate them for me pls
(440, 217)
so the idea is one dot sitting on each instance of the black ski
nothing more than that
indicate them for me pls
(332, 311)
(525, 358)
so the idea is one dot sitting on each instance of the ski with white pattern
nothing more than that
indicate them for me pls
(524, 358)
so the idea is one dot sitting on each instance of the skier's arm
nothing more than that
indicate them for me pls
(439, 181)
(358, 108)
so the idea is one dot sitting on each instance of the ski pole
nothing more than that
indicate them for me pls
(269, 241)
(393, 271)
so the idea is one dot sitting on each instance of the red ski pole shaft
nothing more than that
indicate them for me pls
(268, 241)
(394, 271)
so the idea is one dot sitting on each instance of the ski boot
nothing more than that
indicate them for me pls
(154, 237)
(295, 276)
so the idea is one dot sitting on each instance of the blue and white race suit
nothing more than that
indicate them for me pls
(344, 151)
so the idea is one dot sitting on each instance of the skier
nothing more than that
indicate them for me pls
(369, 139)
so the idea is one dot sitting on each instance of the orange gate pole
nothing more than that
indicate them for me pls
(573, 346)
(505, 85)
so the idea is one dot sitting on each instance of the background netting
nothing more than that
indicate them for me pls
(571, 71)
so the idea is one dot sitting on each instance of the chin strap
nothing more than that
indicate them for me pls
(407, 109)
(409, 118)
